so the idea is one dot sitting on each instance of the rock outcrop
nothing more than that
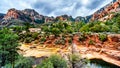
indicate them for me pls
(14, 14)
(87, 45)
(84, 19)
(64, 18)
(93, 48)
(105, 13)
(31, 16)
(27, 15)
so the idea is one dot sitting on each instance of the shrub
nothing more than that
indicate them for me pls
(115, 28)
(85, 28)
(55, 31)
(53, 61)
(102, 37)
(82, 38)
(45, 64)
(8, 44)
(42, 39)
(100, 28)
(60, 41)
(74, 58)
(35, 35)
(70, 41)
(91, 42)
(78, 62)
(23, 62)
(28, 39)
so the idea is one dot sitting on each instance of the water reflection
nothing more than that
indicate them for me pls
(96, 63)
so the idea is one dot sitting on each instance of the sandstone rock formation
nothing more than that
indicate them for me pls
(27, 15)
(84, 19)
(14, 14)
(105, 12)
(64, 18)
(93, 48)
(87, 45)
(31, 16)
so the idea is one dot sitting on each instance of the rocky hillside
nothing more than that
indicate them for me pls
(107, 12)
(13, 15)
(30, 15)
(1, 16)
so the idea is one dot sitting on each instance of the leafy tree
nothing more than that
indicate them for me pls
(45, 28)
(77, 26)
(96, 28)
(8, 44)
(115, 28)
(55, 31)
(85, 28)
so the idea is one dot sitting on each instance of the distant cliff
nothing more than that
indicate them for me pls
(1, 16)
(30, 15)
(106, 12)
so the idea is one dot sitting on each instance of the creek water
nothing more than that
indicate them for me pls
(97, 63)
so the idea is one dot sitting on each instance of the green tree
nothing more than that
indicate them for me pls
(115, 28)
(77, 26)
(55, 31)
(8, 44)
(85, 28)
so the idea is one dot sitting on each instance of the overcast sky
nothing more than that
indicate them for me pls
(55, 7)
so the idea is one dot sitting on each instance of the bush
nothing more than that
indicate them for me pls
(60, 41)
(45, 64)
(91, 42)
(8, 44)
(70, 41)
(78, 62)
(53, 61)
(74, 58)
(82, 37)
(28, 39)
(115, 28)
(85, 28)
(23, 62)
(35, 35)
(100, 28)
(102, 37)
(42, 39)
(55, 31)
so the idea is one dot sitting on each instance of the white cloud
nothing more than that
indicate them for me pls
(85, 2)
(56, 7)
